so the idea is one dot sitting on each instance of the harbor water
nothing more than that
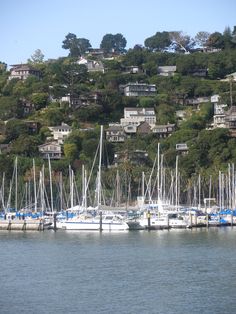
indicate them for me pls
(176, 271)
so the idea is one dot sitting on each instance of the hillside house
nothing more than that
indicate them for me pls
(33, 126)
(139, 89)
(196, 101)
(23, 71)
(230, 77)
(182, 148)
(92, 65)
(134, 116)
(132, 70)
(163, 131)
(50, 150)
(60, 132)
(198, 72)
(144, 128)
(230, 120)
(219, 112)
(81, 100)
(166, 70)
(115, 133)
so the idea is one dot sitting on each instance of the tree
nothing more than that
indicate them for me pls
(215, 40)
(37, 57)
(76, 46)
(160, 41)
(39, 100)
(201, 38)
(116, 43)
(70, 151)
(72, 73)
(3, 67)
(8, 108)
(181, 42)
(84, 44)
(25, 145)
(15, 128)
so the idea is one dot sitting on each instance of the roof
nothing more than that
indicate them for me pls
(115, 128)
(54, 143)
(138, 109)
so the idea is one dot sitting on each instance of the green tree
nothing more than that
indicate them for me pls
(25, 145)
(76, 46)
(70, 151)
(112, 42)
(159, 42)
(215, 40)
(39, 100)
(15, 128)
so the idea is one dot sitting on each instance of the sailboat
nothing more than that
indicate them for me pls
(101, 222)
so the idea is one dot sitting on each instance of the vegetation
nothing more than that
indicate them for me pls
(38, 100)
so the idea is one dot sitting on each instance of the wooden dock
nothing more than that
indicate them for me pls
(23, 225)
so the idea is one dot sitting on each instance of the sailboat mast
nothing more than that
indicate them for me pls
(50, 178)
(35, 188)
(16, 186)
(99, 168)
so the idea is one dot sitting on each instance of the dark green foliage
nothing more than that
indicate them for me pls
(116, 43)
(76, 46)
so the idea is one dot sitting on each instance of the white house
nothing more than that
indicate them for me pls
(166, 70)
(139, 89)
(50, 150)
(23, 71)
(92, 65)
(135, 116)
(60, 132)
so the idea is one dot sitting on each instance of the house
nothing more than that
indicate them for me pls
(95, 52)
(130, 129)
(115, 133)
(144, 128)
(27, 105)
(182, 148)
(196, 101)
(50, 150)
(230, 120)
(219, 115)
(33, 126)
(139, 89)
(166, 70)
(60, 132)
(198, 72)
(230, 77)
(92, 65)
(132, 70)
(23, 71)
(163, 131)
(134, 116)
(82, 100)
(219, 112)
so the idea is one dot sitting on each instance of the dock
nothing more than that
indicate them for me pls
(23, 225)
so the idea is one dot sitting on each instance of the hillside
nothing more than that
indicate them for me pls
(85, 92)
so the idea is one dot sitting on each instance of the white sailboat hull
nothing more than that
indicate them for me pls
(93, 225)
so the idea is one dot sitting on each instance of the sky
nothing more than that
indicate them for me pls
(27, 25)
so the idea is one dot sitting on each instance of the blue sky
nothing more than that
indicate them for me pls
(27, 25)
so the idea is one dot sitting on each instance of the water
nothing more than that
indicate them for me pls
(177, 271)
